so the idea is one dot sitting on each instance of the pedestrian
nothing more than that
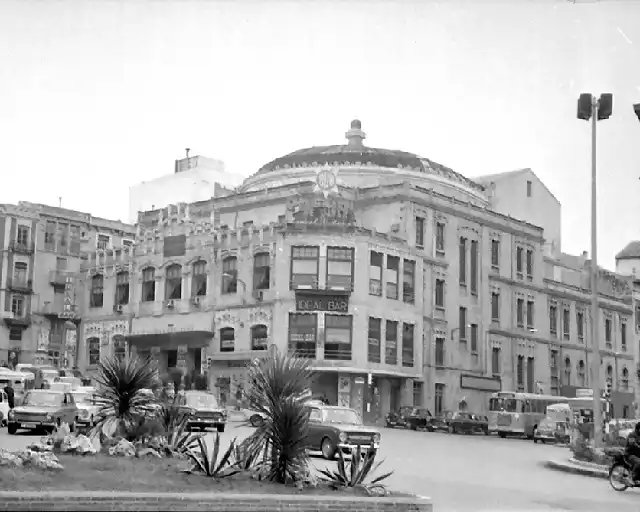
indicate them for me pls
(11, 396)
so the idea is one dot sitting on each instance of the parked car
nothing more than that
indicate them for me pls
(441, 421)
(204, 411)
(333, 428)
(42, 408)
(398, 418)
(420, 419)
(4, 408)
(88, 408)
(45, 376)
(551, 431)
(468, 423)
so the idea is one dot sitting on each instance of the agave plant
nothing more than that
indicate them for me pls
(209, 464)
(121, 395)
(354, 473)
(275, 389)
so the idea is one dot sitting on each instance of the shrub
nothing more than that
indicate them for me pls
(354, 473)
(213, 465)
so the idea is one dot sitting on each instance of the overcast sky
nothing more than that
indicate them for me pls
(98, 96)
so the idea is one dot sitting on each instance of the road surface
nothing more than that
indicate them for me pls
(471, 473)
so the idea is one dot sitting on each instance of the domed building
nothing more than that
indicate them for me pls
(403, 281)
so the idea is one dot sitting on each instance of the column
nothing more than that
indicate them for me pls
(406, 397)
(384, 387)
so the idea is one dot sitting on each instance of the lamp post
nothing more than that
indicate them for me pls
(595, 109)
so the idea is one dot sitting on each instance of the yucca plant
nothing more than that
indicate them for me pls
(275, 390)
(212, 465)
(120, 395)
(179, 439)
(355, 472)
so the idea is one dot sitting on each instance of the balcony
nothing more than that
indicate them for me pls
(20, 285)
(21, 247)
(55, 310)
(337, 354)
(16, 319)
(304, 350)
(58, 277)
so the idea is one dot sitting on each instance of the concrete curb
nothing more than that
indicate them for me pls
(569, 467)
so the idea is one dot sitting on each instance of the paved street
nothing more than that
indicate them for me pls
(473, 473)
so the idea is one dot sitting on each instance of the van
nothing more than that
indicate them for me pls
(21, 383)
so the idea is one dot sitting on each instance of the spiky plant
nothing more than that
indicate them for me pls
(276, 387)
(120, 395)
(210, 463)
(355, 472)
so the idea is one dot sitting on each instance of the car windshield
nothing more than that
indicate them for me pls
(43, 398)
(201, 400)
(505, 404)
(423, 412)
(342, 416)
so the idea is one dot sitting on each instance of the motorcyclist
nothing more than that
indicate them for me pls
(632, 451)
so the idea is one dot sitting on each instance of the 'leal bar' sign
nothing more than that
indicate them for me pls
(330, 303)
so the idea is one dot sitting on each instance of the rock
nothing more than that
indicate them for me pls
(85, 446)
(44, 460)
(148, 451)
(10, 459)
(69, 444)
(48, 440)
(124, 448)
(95, 443)
(40, 447)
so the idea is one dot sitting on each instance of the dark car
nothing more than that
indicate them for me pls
(203, 410)
(441, 420)
(468, 423)
(333, 428)
(398, 418)
(420, 419)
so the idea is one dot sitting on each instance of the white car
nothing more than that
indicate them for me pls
(88, 408)
(4, 408)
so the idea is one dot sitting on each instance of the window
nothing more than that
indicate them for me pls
(119, 347)
(63, 230)
(172, 358)
(553, 319)
(462, 260)
(93, 349)
(148, 285)
(495, 307)
(474, 338)
(623, 335)
(408, 281)
(15, 334)
(122, 288)
(474, 267)
(530, 314)
(50, 236)
(519, 262)
(259, 337)
(391, 277)
(262, 271)
(462, 323)
(407, 344)
(74, 239)
(495, 254)
(22, 236)
(439, 359)
(337, 337)
(420, 232)
(20, 272)
(304, 267)
(417, 393)
(61, 263)
(230, 275)
(375, 336)
(104, 242)
(609, 373)
(340, 268)
(530, 265)
(625, 379)
(376, 260)
(439, 399)
(199, 279)
(531, 379)
(520, 312)
(553, 367)
(529, 187)
(440, 293)
(173, 283)
(566, 323)
(227, 339)
(303, 329)
(495, 360)
(567, 371)
(97, 288)
(607, 331)
(391, 338)
(581, 373)
(520, 373)
(18, 305)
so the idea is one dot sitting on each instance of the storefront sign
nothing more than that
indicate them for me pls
(480, 383)
(68, 310)
(329, 303)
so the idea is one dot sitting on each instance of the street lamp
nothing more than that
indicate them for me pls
(595, 109)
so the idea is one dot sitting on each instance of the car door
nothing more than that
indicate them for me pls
(315, 428)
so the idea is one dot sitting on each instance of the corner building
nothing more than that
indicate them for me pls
(393, 273)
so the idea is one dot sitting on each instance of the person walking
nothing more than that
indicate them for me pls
(11, 396)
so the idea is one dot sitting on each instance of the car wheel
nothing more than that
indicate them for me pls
(12, 428)
(502, 434)
(220, 428)
(407, 426)
(328, 449)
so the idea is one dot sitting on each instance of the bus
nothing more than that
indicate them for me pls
(518, 414)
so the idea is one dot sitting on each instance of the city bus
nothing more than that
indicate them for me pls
(518, 414)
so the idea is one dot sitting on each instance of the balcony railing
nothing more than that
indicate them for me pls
(337, 354)
(58, 277)
(307, 351)
(304, 282)
(339, 283)
(21, 247)
(20, 285)
(407, 362)
(51, 309)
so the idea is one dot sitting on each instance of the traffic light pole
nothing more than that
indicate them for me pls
(595, 313)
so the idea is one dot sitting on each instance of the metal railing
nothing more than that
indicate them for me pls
(337, 354)
(21, 247)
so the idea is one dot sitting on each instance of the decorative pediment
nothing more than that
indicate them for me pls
(260, 316)
(469, 229)
(226, 319)
(168, 263)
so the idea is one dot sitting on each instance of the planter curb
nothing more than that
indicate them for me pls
(576, 469)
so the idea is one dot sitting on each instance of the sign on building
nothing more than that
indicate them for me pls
(68, 310)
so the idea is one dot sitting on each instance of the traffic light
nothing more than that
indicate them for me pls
(605, 106)
(584, 106)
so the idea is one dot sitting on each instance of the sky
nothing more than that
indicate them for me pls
(98, 96)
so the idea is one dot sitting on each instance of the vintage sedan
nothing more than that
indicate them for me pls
(420, 419)
(203, 410)
(88, 408)
(334, 428)
(44, 409)
(441, 421)
(398, 418)
(467, 423)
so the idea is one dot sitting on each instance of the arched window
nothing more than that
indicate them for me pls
(97, 291)
(148, 284)
(93, 351)
(173, 282)
(567, 371)
(227, 339)
(122, 288)
(20, 273)
(230, 275)
(625, 379)
(259, 337)
(119, 347)
(199, 279)
(261, 271)
(581, 373)
(609, 373)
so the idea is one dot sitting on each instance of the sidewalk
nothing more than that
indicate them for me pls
(578, 468)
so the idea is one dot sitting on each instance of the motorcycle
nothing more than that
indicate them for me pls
(620, 473)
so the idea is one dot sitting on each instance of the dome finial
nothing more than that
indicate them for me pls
(355, 135)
